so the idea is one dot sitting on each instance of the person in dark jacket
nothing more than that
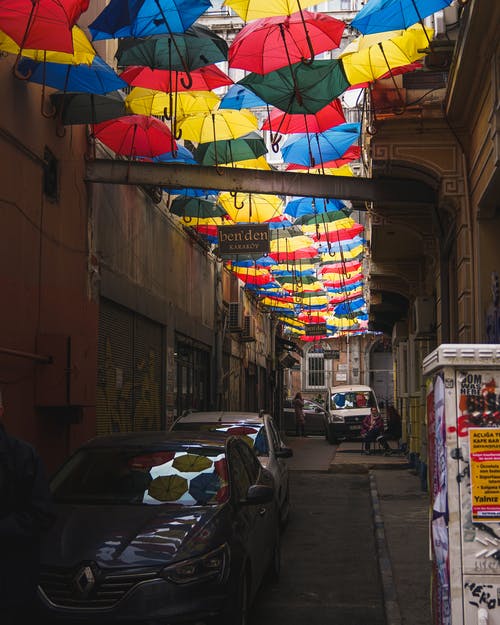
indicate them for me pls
(300, 420)
(25, 514)
(372, 429)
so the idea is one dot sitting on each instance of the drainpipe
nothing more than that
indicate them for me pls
(219, 335)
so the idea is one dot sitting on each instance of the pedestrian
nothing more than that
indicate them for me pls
(372, 429)
(25, 514)
(300, 421)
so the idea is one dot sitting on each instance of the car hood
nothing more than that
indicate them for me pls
(350, 412)
(117, 536)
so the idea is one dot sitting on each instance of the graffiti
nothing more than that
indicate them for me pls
(479, 402)
(482, 595)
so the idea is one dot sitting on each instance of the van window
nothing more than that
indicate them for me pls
(359, 399)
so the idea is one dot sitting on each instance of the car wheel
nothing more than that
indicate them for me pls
(237, 612)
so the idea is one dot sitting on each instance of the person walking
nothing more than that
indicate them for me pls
(300, 421)
(25, 514)
(372, 429)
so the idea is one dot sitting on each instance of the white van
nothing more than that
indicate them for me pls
(347, 406)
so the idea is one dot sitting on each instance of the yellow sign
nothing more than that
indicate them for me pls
(484, 445)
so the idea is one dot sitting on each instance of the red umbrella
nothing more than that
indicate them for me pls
(203, 79)
(351, 154)
(41, 24)
(136, 135)
(289, 123)
(269, 43)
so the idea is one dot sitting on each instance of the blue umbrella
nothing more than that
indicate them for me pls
(96, 78)
(181, 155)
(239, 97)
(350, 306)
(204, 487)
(379, 16)
(310, 206)
(309, 149)
(141, 18)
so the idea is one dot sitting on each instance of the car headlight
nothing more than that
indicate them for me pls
(333, 418)
(210, 565)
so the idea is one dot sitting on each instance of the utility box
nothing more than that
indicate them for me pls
(463, 419)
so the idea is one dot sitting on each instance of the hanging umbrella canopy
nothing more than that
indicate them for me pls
(202, 79)
(88, 108)
(198, 207)
(251, 163)
(253, 9)
(300, 88)
(381, 15)
(95, 78)
(151, 102)
(249, 146)
(310, 149)
(311, 223)
(197, 47)
(270, 43)
(336, 231)
(41, 24)
(380, 54)
(251, 207)
(218, 125)
(83, 51)
(286, 124)
(136, 135)
(141, 18)
(320, 170)
(239, 97)
(302, 206)
(351, 154)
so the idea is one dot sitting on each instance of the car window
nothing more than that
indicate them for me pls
(274, 435)
(189, 477)
(240, 478)
(251, 463)
(359, 399)
(253, 434)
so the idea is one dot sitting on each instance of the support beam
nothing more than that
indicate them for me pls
(169, 175)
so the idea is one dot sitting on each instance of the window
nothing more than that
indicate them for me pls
(315, 369)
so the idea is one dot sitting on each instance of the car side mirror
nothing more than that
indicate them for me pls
(257, 494)
(284, 452)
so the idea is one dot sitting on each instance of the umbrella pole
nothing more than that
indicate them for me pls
(308, 39)
(421, 21)
(403, 103)
(52, 113)
(29, 23)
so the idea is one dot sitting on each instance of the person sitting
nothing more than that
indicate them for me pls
(372, 429)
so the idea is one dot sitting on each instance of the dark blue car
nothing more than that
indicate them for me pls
(159, 528)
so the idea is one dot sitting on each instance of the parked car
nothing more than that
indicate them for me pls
(315, 418)
(159, 527)
(347, 406)
(259, 431)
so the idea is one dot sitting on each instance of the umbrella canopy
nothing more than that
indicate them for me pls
(251, 207)
(219, 125)
(238, 97)
(136, 135)
(95, 78)
(300, 88)
(180, 155)
(351, 154)
(197, 47)
(308, 206)
(249, 146)
(202, 79)
(320, 219)
(253, 9)
(376, 54)
(198, 207)
(83, 51)
(285, 123)
(152, 102)
(88, 108)
(41, 24)
(320, 147)
(381, 15)
(267, 44)
(140, 18)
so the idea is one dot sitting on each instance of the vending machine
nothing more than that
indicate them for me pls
(463, 420)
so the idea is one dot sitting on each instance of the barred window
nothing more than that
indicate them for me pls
(315, 369)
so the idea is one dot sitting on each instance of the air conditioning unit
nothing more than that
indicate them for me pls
(235, 317)
(424, 309)
(248, 332)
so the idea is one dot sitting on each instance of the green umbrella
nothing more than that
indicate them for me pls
(197, 47)
(88, 108)
(321, 217)
(189, 463)
(247, 147)
(300, 88)
(199, 207)
(168, 487)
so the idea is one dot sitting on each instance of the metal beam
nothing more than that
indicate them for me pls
(169, 175)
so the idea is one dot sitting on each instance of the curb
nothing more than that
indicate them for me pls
(392, 611)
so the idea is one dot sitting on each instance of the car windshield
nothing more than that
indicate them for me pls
(253, 434)
(358, 399)
(189, 477)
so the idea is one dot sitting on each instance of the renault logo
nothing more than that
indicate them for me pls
(84, 581)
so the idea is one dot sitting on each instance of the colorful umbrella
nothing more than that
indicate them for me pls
(251, 207)
(286, 124)
(168, 487)
(197, 207)
(351, 154)
(270, 43)
(381, 15)
(205, 487)
(314, 148)
(189, 463)
(238, 97)
(141, 18)
(88, 108)
(300, 88)
(95, 78)
(203, 79)
(249, 146)
(253, 9)
(151, 102)
(135, 135)
(41, 24)
(301, 206)
(219, 125)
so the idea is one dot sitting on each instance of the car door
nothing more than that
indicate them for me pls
(315, 419)
(277, 466)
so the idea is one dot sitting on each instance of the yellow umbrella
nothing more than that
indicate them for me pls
(218, 125)
(290, 244)
(252, 163)
(251, 207)
(83, 51)
(329, 226)
(345, 170)
(253, 9)
(345, 255)
(374, 55)
(143, 101)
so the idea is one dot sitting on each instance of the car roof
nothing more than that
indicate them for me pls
(159, 439)
(346, 388)
(227, 417)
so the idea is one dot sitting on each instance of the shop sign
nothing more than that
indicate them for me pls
(315, 329)
(340, 377)
(331, 354)
(485, 473)
(243, 239)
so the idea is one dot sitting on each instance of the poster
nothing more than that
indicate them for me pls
(484, 446)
